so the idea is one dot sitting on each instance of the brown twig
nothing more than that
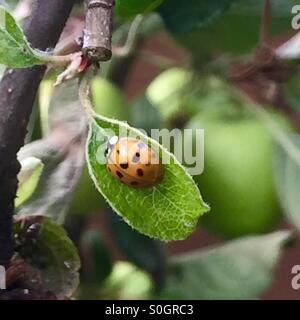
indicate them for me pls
(97, 35)
(17, 93)
(266, 19)
(265, 54)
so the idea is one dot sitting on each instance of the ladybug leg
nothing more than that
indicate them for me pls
(106, 152)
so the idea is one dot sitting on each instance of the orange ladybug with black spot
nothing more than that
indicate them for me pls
(132, 162)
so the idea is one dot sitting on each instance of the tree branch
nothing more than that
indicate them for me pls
(98, 30)
(17, 93)
(265, 23)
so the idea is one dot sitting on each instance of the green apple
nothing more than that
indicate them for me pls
(108, 100)
(181, 93)
(237, 180)
(168, 92)
(127, 282)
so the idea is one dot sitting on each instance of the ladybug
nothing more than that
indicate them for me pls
(133, 163)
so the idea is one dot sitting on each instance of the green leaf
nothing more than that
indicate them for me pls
(28, 179)
(71, 116)
(226, 32)
(45, 94)
(169, 210)
(15, 50)
(130, 8)
(241, 269)
(62, 168)
(50, 251)
(183, 16)
(287, 174)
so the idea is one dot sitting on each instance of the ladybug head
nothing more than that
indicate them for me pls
(111, 143)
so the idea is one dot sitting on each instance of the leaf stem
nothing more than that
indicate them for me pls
(60, 60)
(84, 93)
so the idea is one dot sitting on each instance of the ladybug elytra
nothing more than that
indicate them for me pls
(132, 162)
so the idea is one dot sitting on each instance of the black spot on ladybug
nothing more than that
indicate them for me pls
(119, 174)
(140, 172)
(134, 183)
(141, 145)
(136, 157)
(124, 165)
